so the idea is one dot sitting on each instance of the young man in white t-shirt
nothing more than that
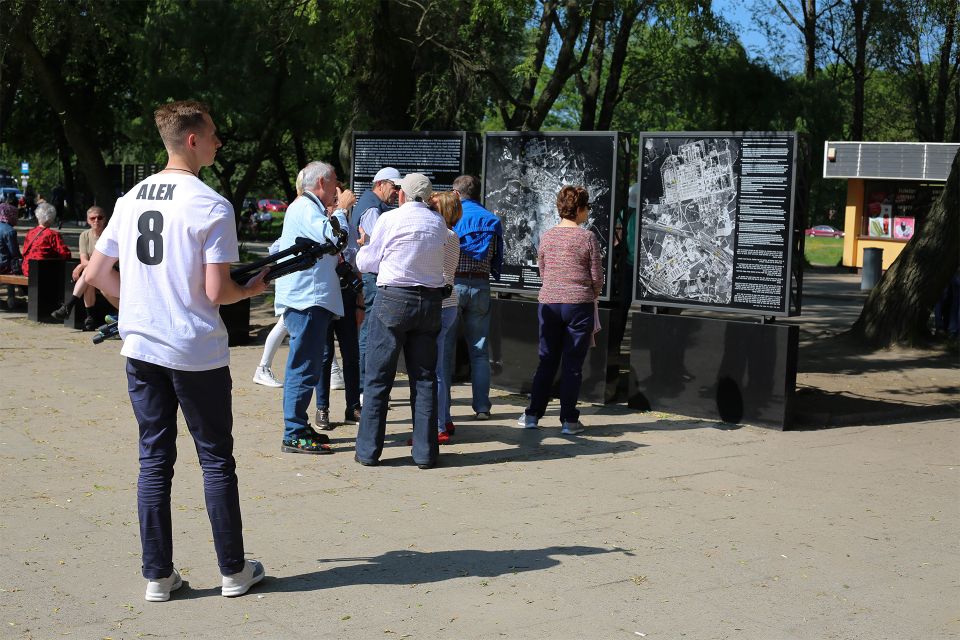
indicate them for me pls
(175, 239)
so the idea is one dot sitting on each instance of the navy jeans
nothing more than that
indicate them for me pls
(308, 340)
(369, 298)
(408, 320)
(474, 315)
(345, 329)
(205, 400)
(565, 331)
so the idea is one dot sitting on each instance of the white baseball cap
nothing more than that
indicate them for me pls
(417, 186)
(387, 173)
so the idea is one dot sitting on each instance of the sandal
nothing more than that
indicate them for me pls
(306, 444)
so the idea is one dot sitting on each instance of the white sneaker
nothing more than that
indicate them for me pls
(572, 428)
(336, 380)
(239, 583)
(528, 421)
(159, 590)
(265, 377)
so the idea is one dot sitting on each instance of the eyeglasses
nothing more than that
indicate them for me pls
(92, 218)
(396, 187)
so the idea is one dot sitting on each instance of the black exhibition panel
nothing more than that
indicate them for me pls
(514, 351)
(522, 174)
(439, 155)
(733, 371)
(716, 221)
(45, 287)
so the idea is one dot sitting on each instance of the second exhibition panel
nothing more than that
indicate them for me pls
(522, 174)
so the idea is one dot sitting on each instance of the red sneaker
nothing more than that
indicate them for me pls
(442, 438)
(450, 428)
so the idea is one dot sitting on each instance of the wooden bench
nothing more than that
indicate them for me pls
(12, 283)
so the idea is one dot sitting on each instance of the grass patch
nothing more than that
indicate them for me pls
(823, 251)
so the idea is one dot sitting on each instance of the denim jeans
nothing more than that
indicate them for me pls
(448, 324)
(408, 320)
(204, 397)
(345, 329)
(308, 338)
(369, 298)
(565, 331)
(474, 316)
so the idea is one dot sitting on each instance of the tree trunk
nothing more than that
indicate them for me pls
(943, 77)
(80, 136)
(859, 68)
(810, 40)
(612, 92)
(288, 189)
(590, 90)
(898, 308)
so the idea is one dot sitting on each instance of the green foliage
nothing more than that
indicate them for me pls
(287, 80)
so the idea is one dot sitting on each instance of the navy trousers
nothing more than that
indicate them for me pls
(204, 397)
(345, 329)
(565, 331)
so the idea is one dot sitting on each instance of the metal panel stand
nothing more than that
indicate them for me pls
(45, 289)
(515, 345)
(727, 370)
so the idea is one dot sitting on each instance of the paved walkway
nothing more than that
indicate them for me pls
(649, 525)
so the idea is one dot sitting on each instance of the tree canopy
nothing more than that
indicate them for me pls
(289, 80)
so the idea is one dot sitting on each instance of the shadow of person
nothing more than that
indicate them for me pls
(407, 567)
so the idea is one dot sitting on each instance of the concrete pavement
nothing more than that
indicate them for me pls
(650, 525)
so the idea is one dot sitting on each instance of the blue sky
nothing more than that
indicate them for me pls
(738, 12)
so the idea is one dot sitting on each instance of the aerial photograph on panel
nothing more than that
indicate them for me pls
(689, 193)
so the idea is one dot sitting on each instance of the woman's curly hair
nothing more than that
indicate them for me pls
(570, 200)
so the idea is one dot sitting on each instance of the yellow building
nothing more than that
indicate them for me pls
(890, 188)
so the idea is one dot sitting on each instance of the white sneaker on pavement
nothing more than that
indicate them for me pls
(528, 421)
(264, 376)
(239, 583)
(336, 380)
(572, 428)
(159, 590)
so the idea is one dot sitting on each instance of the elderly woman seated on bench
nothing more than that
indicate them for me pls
(42, 242)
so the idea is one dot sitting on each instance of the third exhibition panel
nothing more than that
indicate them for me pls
(716, 212)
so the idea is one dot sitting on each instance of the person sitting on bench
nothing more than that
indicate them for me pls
(10, 257)
(42, 242)
(97, 219)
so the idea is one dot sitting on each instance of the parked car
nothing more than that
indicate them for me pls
(8, 194)
(823, 231)
(276, 206)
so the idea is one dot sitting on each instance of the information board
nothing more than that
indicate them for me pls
(716, 221)
(439, 155)
(522, 174)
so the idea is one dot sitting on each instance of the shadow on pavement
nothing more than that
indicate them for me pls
(523, 445)
(416, 567)
(819, 409)
(411, 567)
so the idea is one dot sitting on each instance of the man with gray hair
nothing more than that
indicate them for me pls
(382, 197)
(308, 301)
(406, 253)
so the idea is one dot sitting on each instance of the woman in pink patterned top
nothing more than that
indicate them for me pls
(569, 261)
